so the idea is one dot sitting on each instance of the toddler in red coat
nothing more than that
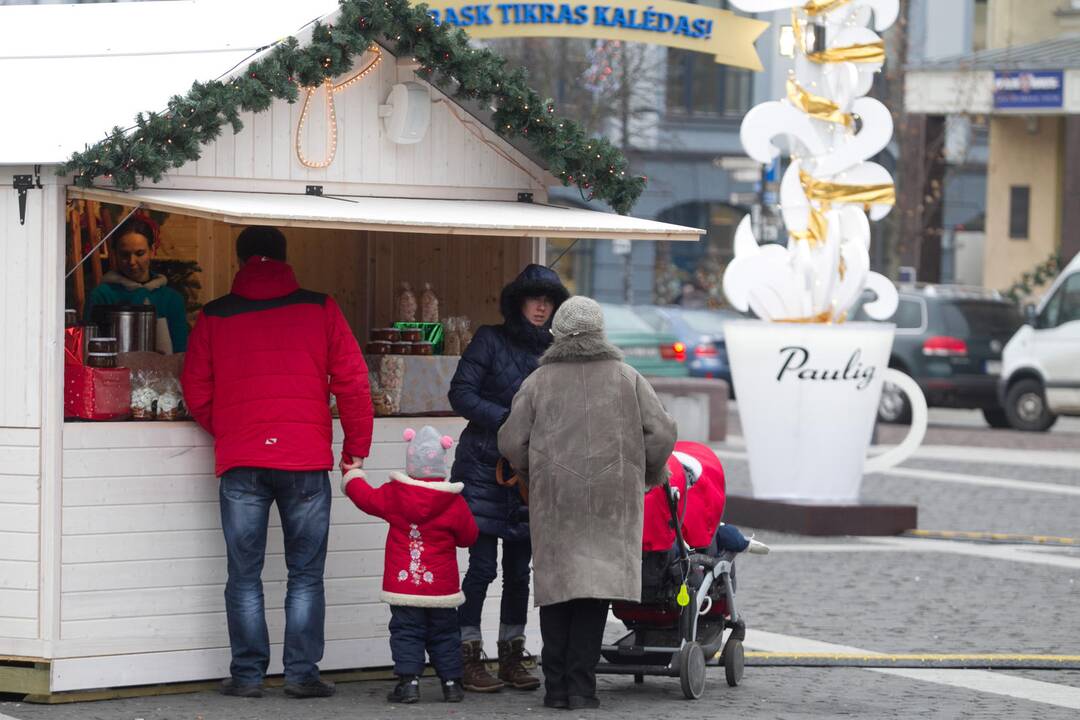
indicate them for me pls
(428, 520)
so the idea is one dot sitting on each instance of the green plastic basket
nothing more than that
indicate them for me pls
(433, 333)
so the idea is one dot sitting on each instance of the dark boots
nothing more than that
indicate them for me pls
(407, 690)
(476, 677)
(452, 691)
(512, 667)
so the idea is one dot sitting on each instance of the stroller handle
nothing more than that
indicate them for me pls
(673, 508)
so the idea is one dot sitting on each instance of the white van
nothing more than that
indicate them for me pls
(1040, 373)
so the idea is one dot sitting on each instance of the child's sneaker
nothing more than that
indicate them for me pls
(452, 691)
(757, 547)
(407, 691)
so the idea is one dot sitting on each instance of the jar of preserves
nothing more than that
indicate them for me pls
(101, 345)
(401, 348)
(412, 334)
(386, 334)
(101, 360)
(423, 348)
(378, 347)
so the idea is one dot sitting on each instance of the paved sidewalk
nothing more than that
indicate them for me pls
(767, 694)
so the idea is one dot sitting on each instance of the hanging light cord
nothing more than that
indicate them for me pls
(103, 240)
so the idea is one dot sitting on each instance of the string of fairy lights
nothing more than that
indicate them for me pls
(162, 140)
(331, 112)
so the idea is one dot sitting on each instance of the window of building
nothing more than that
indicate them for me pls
(1019, 211)
(697, 85)
(978, 35)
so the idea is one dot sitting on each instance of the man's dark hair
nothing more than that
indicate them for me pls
(260, 241)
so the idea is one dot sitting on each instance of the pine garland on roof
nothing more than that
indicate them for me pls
(170, 139)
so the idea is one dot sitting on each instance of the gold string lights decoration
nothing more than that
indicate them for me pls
(330, 89)
(831, 189)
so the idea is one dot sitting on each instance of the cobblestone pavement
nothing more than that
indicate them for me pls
(881, 595)
(766, 694)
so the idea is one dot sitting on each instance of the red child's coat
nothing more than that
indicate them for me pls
(428, 520)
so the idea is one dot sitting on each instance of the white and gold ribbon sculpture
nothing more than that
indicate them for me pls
(830, 186)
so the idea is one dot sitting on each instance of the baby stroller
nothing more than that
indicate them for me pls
(688, 589)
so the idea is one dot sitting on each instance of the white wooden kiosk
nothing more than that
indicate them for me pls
(111, 557)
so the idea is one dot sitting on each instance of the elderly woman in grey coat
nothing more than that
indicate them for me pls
(591, 437)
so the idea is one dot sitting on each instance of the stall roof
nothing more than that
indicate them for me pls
(68, 76)
(395, 214)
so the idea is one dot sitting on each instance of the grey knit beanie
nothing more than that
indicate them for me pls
(577, 316)
(426, 454)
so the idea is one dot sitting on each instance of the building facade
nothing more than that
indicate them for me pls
(1021, 89)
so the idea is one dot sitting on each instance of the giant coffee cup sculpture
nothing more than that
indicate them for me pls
(808, 381)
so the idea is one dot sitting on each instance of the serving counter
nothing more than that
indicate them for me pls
(143, 559)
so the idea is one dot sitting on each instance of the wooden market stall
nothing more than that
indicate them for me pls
(111, 557)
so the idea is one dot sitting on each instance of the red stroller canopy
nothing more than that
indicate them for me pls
(700, 508)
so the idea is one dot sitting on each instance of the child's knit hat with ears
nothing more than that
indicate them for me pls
(426, 455)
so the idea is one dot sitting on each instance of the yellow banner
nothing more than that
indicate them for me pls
(728, 37)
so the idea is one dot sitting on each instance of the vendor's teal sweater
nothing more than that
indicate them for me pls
(115, 289)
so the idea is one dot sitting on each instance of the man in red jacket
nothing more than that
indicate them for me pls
(261, 364)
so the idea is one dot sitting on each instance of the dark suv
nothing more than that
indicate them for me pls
(949, 340)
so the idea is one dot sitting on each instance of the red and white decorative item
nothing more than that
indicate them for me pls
(428, 520)
(92, 393)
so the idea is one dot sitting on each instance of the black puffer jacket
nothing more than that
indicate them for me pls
(491, 370)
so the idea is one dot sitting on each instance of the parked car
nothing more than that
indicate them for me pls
(949, 340)
(701, 331)
(1040, 377)
(648, 351)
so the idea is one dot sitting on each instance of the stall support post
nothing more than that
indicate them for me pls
(52, 412)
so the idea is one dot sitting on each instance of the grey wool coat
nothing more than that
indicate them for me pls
(591, 437)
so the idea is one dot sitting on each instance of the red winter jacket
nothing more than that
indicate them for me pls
(260, 366)
(701, 508)
(428, 520)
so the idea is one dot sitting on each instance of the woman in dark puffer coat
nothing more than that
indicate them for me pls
(491, 370)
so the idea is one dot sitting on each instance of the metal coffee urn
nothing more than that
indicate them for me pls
(134, 327)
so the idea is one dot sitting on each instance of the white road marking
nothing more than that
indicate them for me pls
(951, 477)
(984, 481)
(978, 680)
(1015, 553)
(1032, 554)
(1000, 456)
(839, 547)
(964, 453)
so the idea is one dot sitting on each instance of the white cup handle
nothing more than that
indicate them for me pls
(916, 433)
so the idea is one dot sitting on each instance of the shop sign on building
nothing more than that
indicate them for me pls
(728, 37)
(1028, 90)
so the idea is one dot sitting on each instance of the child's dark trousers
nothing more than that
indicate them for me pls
(414, 630)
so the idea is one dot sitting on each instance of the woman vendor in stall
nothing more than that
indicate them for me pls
(130, 282)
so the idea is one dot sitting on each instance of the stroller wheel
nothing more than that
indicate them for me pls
(692, 670)
(733, 661)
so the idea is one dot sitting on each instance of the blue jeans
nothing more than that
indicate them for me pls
(483, 565)
(303, 500)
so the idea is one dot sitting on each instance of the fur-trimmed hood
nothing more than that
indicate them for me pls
(586, 347)
(532, 281)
